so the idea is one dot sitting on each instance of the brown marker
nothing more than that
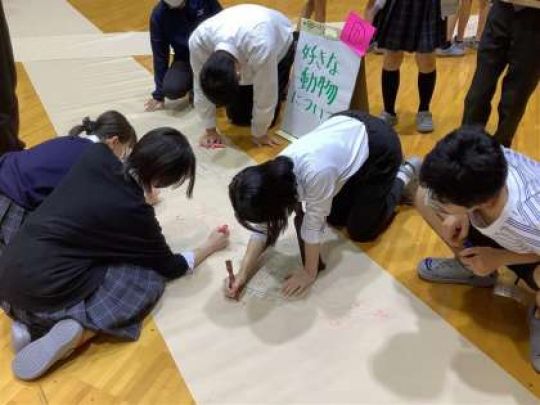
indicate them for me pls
(229, 266)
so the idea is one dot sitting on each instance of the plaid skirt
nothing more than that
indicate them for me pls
(12, 217)
(117, 308)
(410, 25)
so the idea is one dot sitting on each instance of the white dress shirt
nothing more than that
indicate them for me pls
(324, 160)
(258, 37)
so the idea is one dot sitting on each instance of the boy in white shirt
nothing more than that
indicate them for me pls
(241, 59)
(484, 201)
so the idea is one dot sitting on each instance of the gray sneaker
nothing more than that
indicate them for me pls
(424, 122)
(455, 50)
(409, 172)
(534, 338)
(390, 119)
(37, 357)
(20, 336)
(451, 271)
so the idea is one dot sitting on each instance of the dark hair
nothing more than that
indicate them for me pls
(218, 78)
(163, 157)
(107, 125)
(466, 168)
(265, 194)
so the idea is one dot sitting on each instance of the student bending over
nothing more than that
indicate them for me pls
(484, 201)
(348, 171)
(92, 258)
(241, 59)
(28, 177)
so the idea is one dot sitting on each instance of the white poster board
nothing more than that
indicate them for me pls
(323, 79)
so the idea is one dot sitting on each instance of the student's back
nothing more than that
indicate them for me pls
(28, 176)
(97, 215)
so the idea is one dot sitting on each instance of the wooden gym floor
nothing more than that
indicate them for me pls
(144, 372)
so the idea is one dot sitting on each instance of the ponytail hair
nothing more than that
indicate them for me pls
(107, 125)
(265, 195)
(162, 158)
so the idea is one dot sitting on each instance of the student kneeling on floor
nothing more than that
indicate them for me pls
(92, 258)
(348, 172)
(241, 59)
(171, 24)
(484, 201)
(27, 177)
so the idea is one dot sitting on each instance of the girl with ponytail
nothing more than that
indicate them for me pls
(92, 259)
(27, 177)
(348, 172)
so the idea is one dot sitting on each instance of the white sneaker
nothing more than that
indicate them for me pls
(409, 173)
(455, 50)
(424, 122)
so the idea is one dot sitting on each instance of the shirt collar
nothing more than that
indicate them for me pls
(92, 138)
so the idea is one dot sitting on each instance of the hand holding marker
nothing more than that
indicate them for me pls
(228, 263)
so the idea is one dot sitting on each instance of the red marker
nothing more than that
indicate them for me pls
(228, 265)
(224, 229)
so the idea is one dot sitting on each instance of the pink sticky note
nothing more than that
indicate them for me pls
(357, 33)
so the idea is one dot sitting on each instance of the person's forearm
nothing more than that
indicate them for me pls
(255, 248)
(312, 258)
(511, 258)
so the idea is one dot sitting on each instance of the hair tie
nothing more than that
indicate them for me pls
(89, 126)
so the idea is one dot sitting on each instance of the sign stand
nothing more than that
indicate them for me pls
(326, 39)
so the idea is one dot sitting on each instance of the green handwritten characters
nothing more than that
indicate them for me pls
(310, 82)
(305, 103)
(316, 80)
(312, 54)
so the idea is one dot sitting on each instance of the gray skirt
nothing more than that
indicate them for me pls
(12, 217)
(117, 308)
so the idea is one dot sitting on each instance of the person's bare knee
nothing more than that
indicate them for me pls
(426, 62)
(392, 60)
(431, 216)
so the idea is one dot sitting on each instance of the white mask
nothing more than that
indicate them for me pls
(175, 3)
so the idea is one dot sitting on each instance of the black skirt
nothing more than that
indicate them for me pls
(410, 25)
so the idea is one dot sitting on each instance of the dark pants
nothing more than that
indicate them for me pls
(511, 38)
(240, 112)
(178, 80)
(366, 204)
(523, 271)
(9, 110)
